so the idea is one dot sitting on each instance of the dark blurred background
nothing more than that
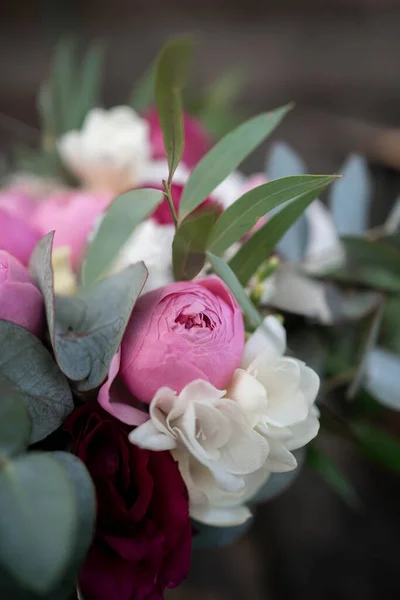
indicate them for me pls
(339, 61)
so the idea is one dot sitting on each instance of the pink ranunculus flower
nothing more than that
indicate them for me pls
(182, 332)
(197, 140)
(17, 235)
(73, 216)
(20, 300)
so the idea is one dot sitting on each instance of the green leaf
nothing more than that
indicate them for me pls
(228, 276)
(86, 329)
(260, 245)
(171, 70)
(333, 475)
(38, 518)
(88, 86)
(62, 84)
(188, 246)
(365, 253)
(86, 503)
(370, 340)
(15, 422)
(122, 216)
(29, 369)
(142, 95)
(242, 215)
(378, 446)
(391, 324)
(226, 156)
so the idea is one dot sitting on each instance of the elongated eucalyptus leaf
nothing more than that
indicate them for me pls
(378, 445)
(63, 82)
(370, 340)
(333, 475)
(15, 421)
(239, 218)
(351, 196)
(188, 247)
(226, 156)
(86, 329)
(88, 85)
(363, 254)
(122, 216)
(38, 518)
(142, 95)
(28, 368)
(259, 246)
(228, 276)
(171, 70)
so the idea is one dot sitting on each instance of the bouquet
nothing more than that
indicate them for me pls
(148, 394)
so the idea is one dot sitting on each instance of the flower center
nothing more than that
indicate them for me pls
(194, 320)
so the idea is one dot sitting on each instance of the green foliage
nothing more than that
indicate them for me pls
(171, 71)
(260, 245)
(239, 218)
(15, 422)
(225, 157)
(122, 216)
(327, 468)
(142, 95)
(86, 329)
(378, 446)
(188, 247)
(228, 276)
(28, 368)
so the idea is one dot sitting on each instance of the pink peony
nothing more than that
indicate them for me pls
(73, 216)
(181, 332)
(17, 235)
(197, 140)
(20, 301)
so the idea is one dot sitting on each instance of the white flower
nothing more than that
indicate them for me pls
(286, 390)
(214, 443)
(151, 243)
(111, 150)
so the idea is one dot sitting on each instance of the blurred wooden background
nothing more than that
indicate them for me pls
(339, 61)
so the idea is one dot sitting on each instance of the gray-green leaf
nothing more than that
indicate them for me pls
(228, 276)
(122, 216)
(28, 368)
(226, 156)
(242, 215)
(171, 70)
(38, 517)
(188, 246)
(260, 245)
(15, 422)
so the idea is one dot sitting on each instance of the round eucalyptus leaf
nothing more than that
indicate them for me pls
(28, 368)
(38, 520)
(15, 422)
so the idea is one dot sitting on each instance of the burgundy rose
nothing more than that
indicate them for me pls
(142, 542)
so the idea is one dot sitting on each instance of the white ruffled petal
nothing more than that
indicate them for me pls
(221, 517)
(147, 436)
(249, 394)
(304, 432)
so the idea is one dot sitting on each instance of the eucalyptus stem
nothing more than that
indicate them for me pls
(168, 195)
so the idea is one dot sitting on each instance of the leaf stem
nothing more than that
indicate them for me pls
(168, 195)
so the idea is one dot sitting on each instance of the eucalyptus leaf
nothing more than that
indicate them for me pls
(142, 95)
(367, 345)
(63, 79)
(86, 511)
(323, 464)
(228, 276)
(239, 218)
(350, 198)
(86, 329)
(38, 517)
(171, 71)
(392, 223)
(382, 377)
(363, 254)
(116, 227)
(379, 446)
(15, 422)
(188, 246)
(87, 85)
(226, 156)
(259, 246)
(390, 330)
(29, 369)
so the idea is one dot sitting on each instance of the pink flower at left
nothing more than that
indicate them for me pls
(17, 234)
(20, 300)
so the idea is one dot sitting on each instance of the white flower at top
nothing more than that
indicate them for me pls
(111, 150)
(228, 442)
